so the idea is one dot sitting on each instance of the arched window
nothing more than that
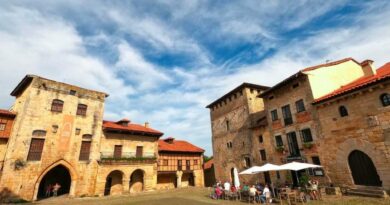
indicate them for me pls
(57, 105)
(385, 99)
(343, 111)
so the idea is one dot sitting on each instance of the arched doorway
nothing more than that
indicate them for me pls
(363, 169)
(137, 181)
(232, 176)
(114, 183)
(59, 174)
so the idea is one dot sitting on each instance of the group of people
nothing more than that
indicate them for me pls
(52, 189)
(259, 192)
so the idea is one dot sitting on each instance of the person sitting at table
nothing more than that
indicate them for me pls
(313, 189)
(266, 194)
(233, 189)
(218, 192)
(252, 192)
(226, 186)
(245, 187)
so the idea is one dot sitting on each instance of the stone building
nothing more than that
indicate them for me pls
(236, 120)
(293, 120)
(355, 130)
(59, 136)
(128, 154)
(6, 122)
(180, 164)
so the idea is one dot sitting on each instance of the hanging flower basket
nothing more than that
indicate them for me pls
(308, 145)
(280, 149)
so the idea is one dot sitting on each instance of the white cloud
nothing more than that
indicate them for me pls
(32, 43)
(138, 70)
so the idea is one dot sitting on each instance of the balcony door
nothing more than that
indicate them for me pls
(139, 151)
(293, 144)
(118, 151)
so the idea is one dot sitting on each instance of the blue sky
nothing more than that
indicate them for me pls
(163, 61)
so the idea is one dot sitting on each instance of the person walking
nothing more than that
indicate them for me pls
(48, 190)
(56, 187)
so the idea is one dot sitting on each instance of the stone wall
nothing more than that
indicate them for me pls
(232, 133)
(365, 129)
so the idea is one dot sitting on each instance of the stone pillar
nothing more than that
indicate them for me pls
(179, 174)
(126, 186)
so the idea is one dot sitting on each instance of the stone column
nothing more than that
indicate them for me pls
(178, 178)
(126, 186)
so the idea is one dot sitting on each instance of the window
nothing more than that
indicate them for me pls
(36, 148)
(195, 162)
(39, 133)
(287, 115)
(72, 92)
(57, 105)
(306, 135)
(343, 111)
(300, 105)
(261, 139)
(78, 130)
(81, 110)
(271, 97)
(385, 99)
(247, 162)
(227, 125)
(139, 151)
(274, 115)
(2, 126)
(87, 137)
(263, 155)
(316, 160)
(295, 85)
(84, 150)
(118, 151)
(179, 166)
(279, 141)
(277, 174)
(251, 90)
(231, 144)
(188, 164)
(165, 162)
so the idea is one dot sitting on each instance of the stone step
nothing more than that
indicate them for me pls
(367, 193)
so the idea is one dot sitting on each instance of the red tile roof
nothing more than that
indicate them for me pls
(381, 74)
(177, 146)
(208, 164)
(7, 113)
(132, 128)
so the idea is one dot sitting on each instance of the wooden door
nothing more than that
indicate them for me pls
(118, 151)
(139, 151)
(293, 144)
(363, 169)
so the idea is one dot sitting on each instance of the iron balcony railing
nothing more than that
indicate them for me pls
(127, 155)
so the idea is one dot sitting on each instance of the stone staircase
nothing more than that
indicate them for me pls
(377, 192)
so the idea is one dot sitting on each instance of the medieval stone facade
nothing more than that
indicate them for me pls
(303, 123)
(59, 136)
(235, 121)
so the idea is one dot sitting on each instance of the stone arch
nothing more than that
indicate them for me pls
(72, 173)
(114, 183)
(137, 181)
(348, 146)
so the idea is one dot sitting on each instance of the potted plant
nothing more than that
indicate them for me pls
(280, 149)
(308, 145)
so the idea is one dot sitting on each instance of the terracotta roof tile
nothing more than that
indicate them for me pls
(382, 73)
(208, 164)
(7, 113)
(109, 125)
(178, 146)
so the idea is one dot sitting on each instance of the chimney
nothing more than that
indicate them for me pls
(368, 68)
(169, 140)
(124, 122)
(147, 124)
